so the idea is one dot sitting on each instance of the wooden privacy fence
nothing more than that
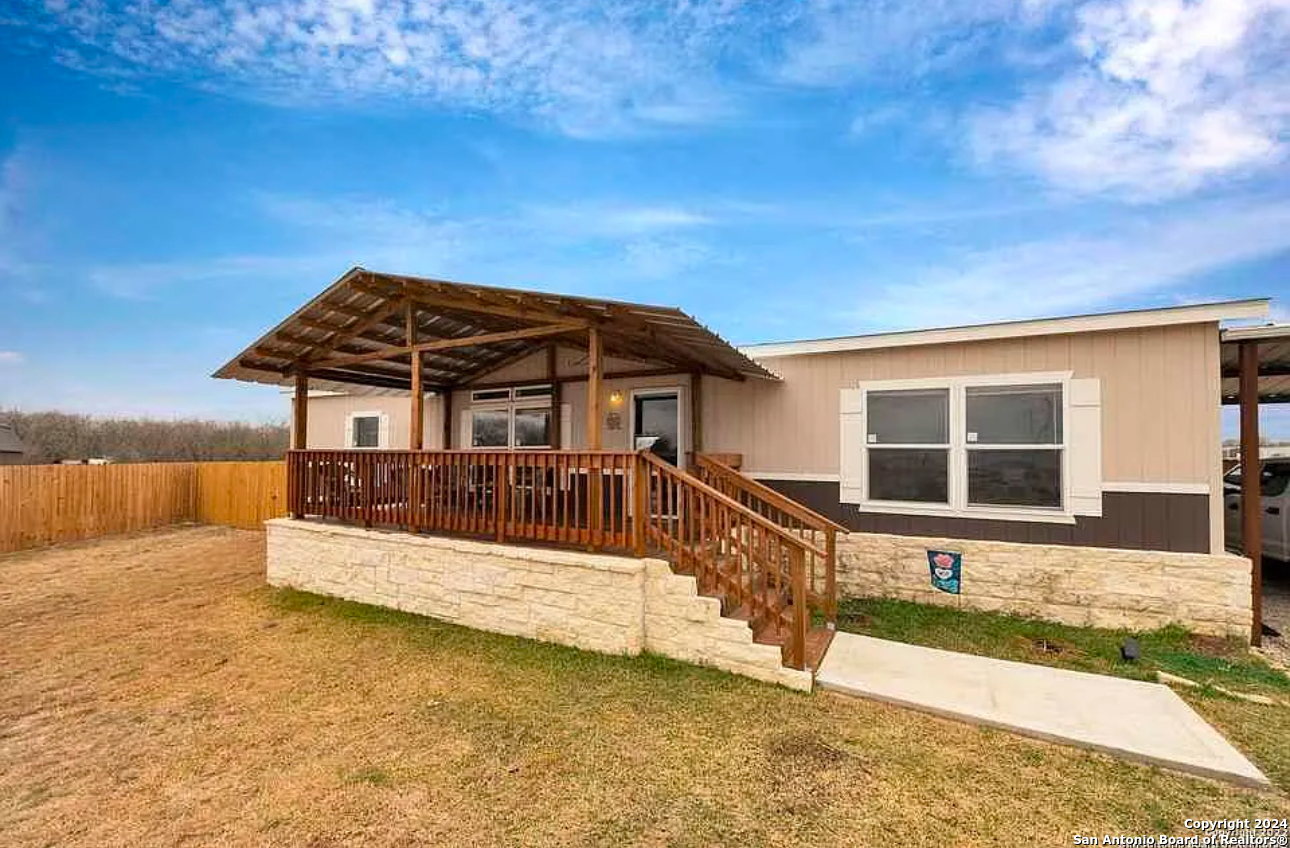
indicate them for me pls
(48, 504)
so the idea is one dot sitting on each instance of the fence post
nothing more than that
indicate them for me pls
(801, 610)
(639, 506)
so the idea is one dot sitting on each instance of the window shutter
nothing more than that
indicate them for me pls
(851, 471)
(383, 431)
(566, 426)
(1084, 445)
(349, 430)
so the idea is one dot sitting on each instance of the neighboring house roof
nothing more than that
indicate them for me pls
(9, 441)
(1192, 314)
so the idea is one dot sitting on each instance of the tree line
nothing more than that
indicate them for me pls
(59, 436)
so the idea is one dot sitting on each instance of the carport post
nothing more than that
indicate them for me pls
(1251, 479)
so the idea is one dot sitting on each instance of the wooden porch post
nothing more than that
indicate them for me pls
(417, 426)
(593, 389)
(300, 411)
(595, 508)
(416, 431)
(446, 407)
(1251, 477)
(555, 396)
(299, 441)
(696, 413)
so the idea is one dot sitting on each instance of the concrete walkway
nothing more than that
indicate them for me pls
(1127, 718)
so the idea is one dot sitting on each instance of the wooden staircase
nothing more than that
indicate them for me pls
(767, 559)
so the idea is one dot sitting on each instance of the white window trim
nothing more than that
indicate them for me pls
(382, 429)
(958, 506)
(510, 407)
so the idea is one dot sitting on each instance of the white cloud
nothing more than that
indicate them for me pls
(584, 67)
(1167, 96)
(606, 220)
(836, 42)
(1079, 273)
(11, 357)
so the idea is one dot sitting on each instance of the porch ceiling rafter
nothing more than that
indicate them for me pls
(448, 343)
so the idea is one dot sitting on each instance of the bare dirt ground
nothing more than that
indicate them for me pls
(154, 692)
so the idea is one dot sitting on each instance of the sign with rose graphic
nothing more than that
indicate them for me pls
(947, 570)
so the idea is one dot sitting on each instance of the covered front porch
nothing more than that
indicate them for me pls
(505, 457)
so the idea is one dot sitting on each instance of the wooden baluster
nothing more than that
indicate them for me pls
(639, 506)
(801, 614)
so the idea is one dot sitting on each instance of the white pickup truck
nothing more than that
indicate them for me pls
(1275, 485)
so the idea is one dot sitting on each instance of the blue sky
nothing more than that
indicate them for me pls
(177, 176)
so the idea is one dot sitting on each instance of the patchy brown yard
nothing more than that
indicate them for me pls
(154, 692)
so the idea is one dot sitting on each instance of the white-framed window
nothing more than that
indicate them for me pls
(1006, 446)
(509, 418)
(370, 430)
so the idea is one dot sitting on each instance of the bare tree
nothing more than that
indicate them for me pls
(58, 436)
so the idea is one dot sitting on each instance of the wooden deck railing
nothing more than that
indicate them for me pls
(799, 520)
(632, 502)
(570, 497)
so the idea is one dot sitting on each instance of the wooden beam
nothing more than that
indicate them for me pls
(447, 344)
(416, 431)
(446, 408)
(593, 388)
(300, 412)
(595, 488)
(579, 378)
(551, 373)
(696, 413)
(1271, 369)
(1251, 479)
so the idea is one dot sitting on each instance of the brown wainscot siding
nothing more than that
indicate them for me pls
(1152, 521)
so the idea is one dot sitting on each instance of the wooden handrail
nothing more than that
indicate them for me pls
(790, 514)
(763, 492)
(761, 520)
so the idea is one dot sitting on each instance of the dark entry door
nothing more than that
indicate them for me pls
(656, 418)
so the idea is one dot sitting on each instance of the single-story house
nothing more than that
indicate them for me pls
(1066, 468)
(12, 450)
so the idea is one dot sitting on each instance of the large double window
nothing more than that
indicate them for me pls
(962, 446)
(517, 417)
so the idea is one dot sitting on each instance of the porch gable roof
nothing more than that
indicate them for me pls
(357, 332)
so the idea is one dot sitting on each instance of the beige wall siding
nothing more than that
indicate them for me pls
(1159, 398)
(327, 417)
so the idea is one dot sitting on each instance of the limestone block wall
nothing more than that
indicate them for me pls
(616, 605)
(682, 624)
(1095, 587)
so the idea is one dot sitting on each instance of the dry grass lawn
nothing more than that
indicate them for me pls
(154, 692)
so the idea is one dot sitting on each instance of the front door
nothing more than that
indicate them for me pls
(656, 424)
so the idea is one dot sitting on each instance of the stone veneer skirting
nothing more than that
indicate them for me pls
(1097, 587)
(615, 605)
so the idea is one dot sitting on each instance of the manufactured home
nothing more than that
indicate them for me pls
(616, 475)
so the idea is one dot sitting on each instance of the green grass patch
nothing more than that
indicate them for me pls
(1206, 660)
